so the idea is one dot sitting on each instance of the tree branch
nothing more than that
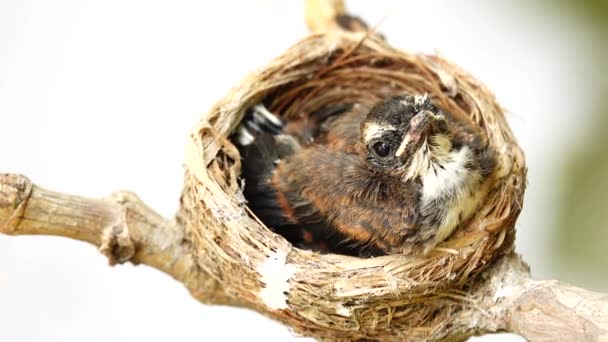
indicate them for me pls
(127, 230)
(122, 226)
(328, 15)
(550, 310)
(538, 310)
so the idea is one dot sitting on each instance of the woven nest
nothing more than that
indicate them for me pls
(333, 296)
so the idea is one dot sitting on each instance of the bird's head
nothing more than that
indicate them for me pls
(396, 128)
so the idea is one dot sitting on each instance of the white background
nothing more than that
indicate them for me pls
(97, 96)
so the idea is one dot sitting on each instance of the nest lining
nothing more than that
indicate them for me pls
(333, 296)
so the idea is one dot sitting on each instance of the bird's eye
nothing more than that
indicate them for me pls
(381, 149)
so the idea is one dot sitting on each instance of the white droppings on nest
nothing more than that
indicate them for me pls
(504, 292)
(275, 273)
(343, 311)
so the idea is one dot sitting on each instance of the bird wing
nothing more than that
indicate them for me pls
(370, 211)
(323, 196)
(283, 210)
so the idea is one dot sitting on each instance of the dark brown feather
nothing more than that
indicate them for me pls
(365, 206)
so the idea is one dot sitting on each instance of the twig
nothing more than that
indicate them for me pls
(122, 226)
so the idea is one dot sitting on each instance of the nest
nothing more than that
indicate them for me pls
(333, 296)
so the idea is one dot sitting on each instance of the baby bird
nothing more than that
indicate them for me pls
(399, 178)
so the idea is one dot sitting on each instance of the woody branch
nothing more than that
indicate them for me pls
(125, 229)
(122, 226)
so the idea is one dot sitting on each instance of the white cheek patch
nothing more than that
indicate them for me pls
(373, 130)
(449, 174)
(449, 178)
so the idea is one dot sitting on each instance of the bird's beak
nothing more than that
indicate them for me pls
(421, 126)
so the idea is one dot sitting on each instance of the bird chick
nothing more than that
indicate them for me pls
(399, 178)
